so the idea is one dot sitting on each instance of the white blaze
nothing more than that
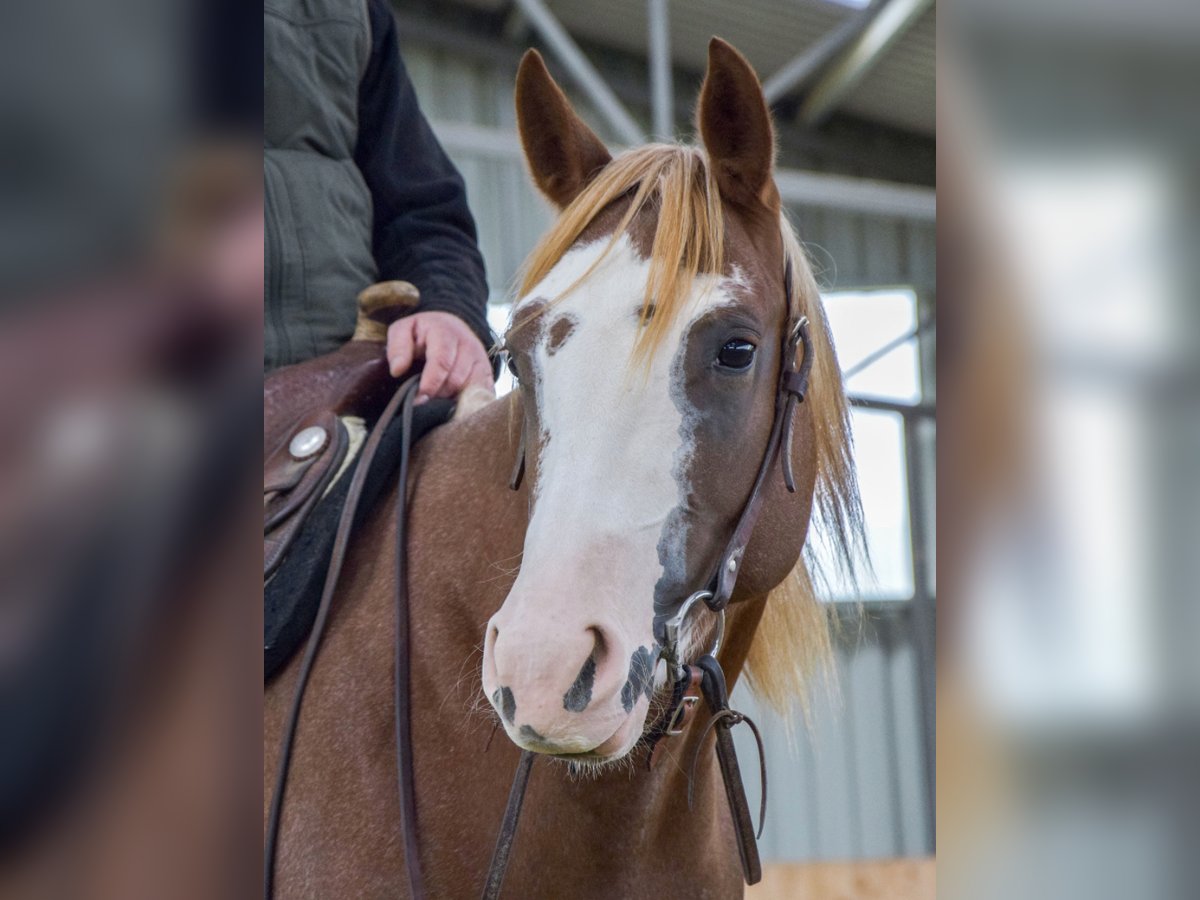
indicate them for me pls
(613, 442)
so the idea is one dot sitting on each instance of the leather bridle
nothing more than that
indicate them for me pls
(704, 677)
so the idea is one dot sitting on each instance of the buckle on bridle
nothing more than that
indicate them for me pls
(676, 725)
(673, 628)
(794, 335)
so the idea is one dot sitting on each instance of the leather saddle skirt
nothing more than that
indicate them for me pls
(316, 416)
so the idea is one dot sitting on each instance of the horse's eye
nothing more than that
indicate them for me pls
(736, 354)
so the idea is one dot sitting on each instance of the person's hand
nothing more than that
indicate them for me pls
(454, 357)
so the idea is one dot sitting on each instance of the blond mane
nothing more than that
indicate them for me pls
(689, 237)
(792, 643)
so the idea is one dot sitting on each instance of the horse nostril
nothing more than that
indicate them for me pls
(579, 695)
(600, 645)
(593, 674)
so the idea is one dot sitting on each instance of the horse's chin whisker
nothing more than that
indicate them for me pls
(584, 769)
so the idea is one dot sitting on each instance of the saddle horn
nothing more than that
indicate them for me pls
(380, 305)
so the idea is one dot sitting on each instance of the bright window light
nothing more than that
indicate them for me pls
(879, 456)
(874, 333)
(865, 322)
(497, 314)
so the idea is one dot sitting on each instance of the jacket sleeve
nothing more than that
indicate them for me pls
(423, 229)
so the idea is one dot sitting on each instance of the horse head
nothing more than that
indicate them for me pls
(647, 341)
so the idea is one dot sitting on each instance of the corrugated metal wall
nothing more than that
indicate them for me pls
(853, 787)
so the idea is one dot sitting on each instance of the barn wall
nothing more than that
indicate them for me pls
(850, 785)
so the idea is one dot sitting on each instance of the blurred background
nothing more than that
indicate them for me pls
(1068, 696)
(131, 296)
(851, 85)
(1070, 402)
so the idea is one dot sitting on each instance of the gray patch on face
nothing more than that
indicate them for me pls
(640, 681)
(503, 698)
(537, 438)
(531, 735)
(672, 542)
(577, 698)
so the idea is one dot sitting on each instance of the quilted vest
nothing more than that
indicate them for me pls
(318, 208)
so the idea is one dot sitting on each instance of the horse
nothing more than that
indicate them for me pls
(647, 341)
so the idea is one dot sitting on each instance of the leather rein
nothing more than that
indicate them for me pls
(704, 677)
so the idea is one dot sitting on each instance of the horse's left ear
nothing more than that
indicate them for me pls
(735, 126)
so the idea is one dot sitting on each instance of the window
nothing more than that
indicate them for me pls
(880, 458)
(875, 336)
(875, 333)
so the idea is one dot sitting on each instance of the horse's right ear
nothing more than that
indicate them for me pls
(564, 154)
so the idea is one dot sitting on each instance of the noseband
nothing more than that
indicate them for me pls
(704, 677)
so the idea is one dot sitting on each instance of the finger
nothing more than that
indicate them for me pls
(457, 377)
(480, 375)
(401, 346)
(464, 363)
(441, 351)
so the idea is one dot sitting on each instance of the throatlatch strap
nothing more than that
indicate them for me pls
(518, 471)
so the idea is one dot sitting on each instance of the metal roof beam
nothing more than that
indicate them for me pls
(855, 145)
(796, 187)
(662, 91)
(581, 70)
(796, 74)
(862, 195)
(887, 25)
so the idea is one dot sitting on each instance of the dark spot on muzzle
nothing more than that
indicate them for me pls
(580, 694)
(641, 680)
(503, 698)
(531, 735)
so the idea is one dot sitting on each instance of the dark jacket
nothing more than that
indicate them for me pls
(358, 189)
